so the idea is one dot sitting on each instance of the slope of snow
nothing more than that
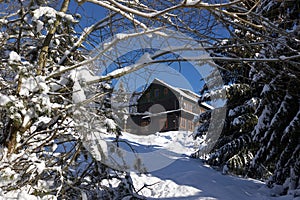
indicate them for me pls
(186, 178)
(181, 179)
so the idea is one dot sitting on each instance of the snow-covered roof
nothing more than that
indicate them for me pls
(175, 89)
(189, 92)
(207, 105)
(182, 92)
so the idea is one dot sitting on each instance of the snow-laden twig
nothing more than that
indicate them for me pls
(155, 13)
(45, 48)
(82, 38)
(135, 67)
(124, 13)
(105, 49)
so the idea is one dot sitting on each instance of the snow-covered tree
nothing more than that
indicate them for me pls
(261, 133)
(45, 109)
(52, 104)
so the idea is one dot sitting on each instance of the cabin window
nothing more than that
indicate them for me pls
(183, 122)
(189, 107)
(156, 93)
(191, 126)
(165, 91)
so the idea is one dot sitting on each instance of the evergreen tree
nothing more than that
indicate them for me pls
(261, 134)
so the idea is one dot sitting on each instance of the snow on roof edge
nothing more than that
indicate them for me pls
(179, 90)
(175, 89)
(207, 105)
(190, 91)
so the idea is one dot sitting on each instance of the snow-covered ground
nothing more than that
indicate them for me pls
(186, 178)
(172, 175)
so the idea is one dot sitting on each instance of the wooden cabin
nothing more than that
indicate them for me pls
(163, 107)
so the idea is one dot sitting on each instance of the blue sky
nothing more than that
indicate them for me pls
(182, 75)
(168, 74)
(87, 9)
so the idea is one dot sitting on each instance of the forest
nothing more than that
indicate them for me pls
(56, 109)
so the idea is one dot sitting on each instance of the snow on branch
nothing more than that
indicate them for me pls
(106, 48)
(51, 13)
(124, 13)
(45, 48)
(199, 3)
(87, 31)
(118, 7)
